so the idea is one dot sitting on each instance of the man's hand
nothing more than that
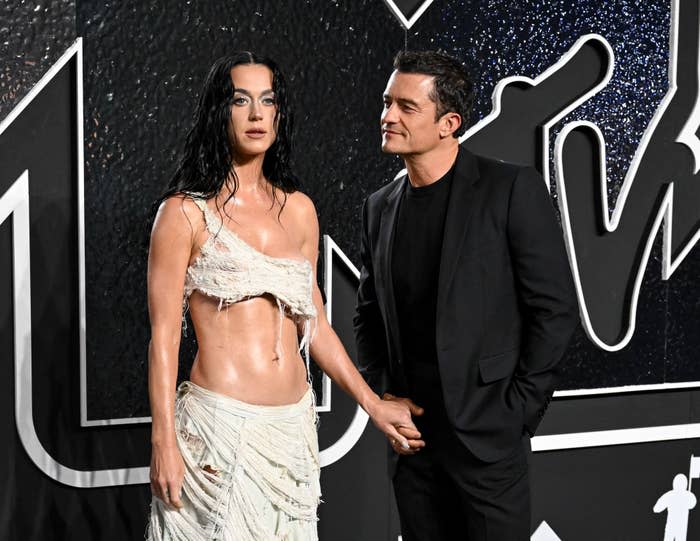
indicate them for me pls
(410, 433)
(393, 417)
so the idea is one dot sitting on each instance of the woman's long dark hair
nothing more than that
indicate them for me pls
(206, 162)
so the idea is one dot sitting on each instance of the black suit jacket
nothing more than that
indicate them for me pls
(506, 305)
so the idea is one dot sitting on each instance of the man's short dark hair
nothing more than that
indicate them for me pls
(453, 91)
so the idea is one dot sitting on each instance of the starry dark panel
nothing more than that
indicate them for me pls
(33, 35)
(500, 39)
(141, 83)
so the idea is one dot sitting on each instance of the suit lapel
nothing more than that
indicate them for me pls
(460, 208)
(384, 247)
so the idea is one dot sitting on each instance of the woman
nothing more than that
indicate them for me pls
(235, 456)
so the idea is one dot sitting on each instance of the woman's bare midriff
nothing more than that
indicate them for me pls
(237, 354)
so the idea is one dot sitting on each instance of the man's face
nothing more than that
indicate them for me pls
(408, 118)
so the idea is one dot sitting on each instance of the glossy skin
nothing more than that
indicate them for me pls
(237, 343)
(427, 145)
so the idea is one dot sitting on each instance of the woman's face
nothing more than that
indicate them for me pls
(252, 129)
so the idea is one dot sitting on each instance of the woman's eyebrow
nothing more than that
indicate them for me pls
(247, 92)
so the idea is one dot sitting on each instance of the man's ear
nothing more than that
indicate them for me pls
(449, 123)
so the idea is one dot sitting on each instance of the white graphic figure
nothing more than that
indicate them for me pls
(678, 502)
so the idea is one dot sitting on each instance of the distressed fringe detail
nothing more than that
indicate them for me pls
(231, 270)
(251, 472)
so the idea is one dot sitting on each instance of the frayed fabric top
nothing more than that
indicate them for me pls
(231, 270)
(251, 472)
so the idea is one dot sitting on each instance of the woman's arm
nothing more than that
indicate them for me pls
(328, 351)
(169, 254)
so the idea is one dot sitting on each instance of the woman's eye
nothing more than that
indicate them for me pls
(239, 101)
(269, 101)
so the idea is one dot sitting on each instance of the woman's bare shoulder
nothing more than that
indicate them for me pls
(301, 205)
(303, 213)
(179, 210)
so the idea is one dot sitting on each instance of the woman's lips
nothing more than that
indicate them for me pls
(256, 134)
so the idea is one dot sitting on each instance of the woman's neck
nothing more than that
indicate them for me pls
(249, 174)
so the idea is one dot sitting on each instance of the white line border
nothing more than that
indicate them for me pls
(547, 127)
(610, 224)
(407, 23)
(651, 387)
(15, 202)
(354, 432)
(80, 145)
(623, 436)
(664, 214)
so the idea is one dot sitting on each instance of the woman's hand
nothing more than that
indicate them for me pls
(167, 474)
(392, 415)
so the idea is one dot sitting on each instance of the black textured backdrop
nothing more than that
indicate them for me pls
(144, 63)
(141, 85)
(33, 35)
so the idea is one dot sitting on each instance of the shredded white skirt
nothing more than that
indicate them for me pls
(251, 472)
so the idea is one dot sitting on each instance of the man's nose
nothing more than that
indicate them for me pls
(389, 115)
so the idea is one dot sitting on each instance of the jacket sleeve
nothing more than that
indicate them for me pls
(546, 293)
(372, 353)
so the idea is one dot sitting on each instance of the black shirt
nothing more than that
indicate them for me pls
(415, 267)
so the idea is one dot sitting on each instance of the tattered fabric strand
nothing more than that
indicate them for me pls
(232, 270)
(251, 472)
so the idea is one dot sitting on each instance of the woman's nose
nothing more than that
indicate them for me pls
(255, 111)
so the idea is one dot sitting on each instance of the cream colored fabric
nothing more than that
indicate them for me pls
(231, 270)
(252, 472)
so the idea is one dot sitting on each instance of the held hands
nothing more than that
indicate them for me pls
(392, 415)
(167, 474)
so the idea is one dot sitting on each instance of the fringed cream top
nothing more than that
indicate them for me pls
(231, 270)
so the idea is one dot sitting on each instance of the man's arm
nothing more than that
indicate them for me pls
(545, 291)
(368, 323)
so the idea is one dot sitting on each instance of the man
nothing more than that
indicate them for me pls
(465, 307)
